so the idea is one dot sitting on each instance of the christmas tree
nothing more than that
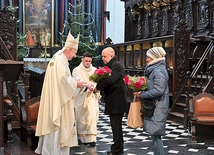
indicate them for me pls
(80, 23)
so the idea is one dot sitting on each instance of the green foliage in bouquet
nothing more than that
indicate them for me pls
(136, 83)
(100, 73)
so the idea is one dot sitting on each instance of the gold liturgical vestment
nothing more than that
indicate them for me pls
(56, 111)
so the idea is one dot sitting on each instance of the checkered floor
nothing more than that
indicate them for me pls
(137, 142)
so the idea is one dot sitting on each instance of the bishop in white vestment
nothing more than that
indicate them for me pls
(56, 123)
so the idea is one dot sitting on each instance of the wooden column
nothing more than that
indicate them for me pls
(1, 111)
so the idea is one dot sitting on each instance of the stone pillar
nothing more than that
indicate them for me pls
(88, 9)
(2, 4)
(97, 12)
(66, 15)
(20, 16)
(56, 22)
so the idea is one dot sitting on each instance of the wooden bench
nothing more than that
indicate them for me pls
(29, 113)
(8, 116)
(201, 111)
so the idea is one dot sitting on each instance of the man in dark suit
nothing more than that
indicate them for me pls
(114, 91)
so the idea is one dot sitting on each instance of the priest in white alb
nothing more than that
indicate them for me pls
(86, 102)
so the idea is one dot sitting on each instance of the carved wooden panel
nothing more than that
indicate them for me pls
(139, 24)
(8, 31)
(202, 18)
(180, 58)
(145, 24)
(212, 16)
(188, 13)
(131, 3)
(155, 22)
(1, 112)
(136, 24)
(174, 16)
(164, 22)
(128, 25)
(137, 27)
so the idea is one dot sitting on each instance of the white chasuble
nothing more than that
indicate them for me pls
(56, 117)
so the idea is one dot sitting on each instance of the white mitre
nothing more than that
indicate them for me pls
(70, 43)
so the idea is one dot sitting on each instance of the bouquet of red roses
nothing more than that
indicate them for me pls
(136, 83)
(100, 73)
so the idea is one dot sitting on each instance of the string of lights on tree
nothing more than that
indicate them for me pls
(78, 24)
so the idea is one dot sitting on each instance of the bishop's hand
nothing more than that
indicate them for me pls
(81, 84)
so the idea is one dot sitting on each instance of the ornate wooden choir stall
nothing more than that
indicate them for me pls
(185, 30)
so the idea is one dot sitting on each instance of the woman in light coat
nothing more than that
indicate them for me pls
(157, 81)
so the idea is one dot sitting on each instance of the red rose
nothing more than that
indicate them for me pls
(107, 70)
(137, 84)
(99, 71)
(129, 82)
(126, 79)
(142, 80)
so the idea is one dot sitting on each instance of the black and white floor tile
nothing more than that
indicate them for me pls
(138, 142)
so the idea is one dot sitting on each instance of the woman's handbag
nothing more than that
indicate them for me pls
(148, 107)
(134, 117)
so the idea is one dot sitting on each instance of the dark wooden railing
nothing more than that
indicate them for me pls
(9, 74)
(201, 78)
(36, 81)
(33, 81)
(4, 113)
(4, 49)
(132, 55)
